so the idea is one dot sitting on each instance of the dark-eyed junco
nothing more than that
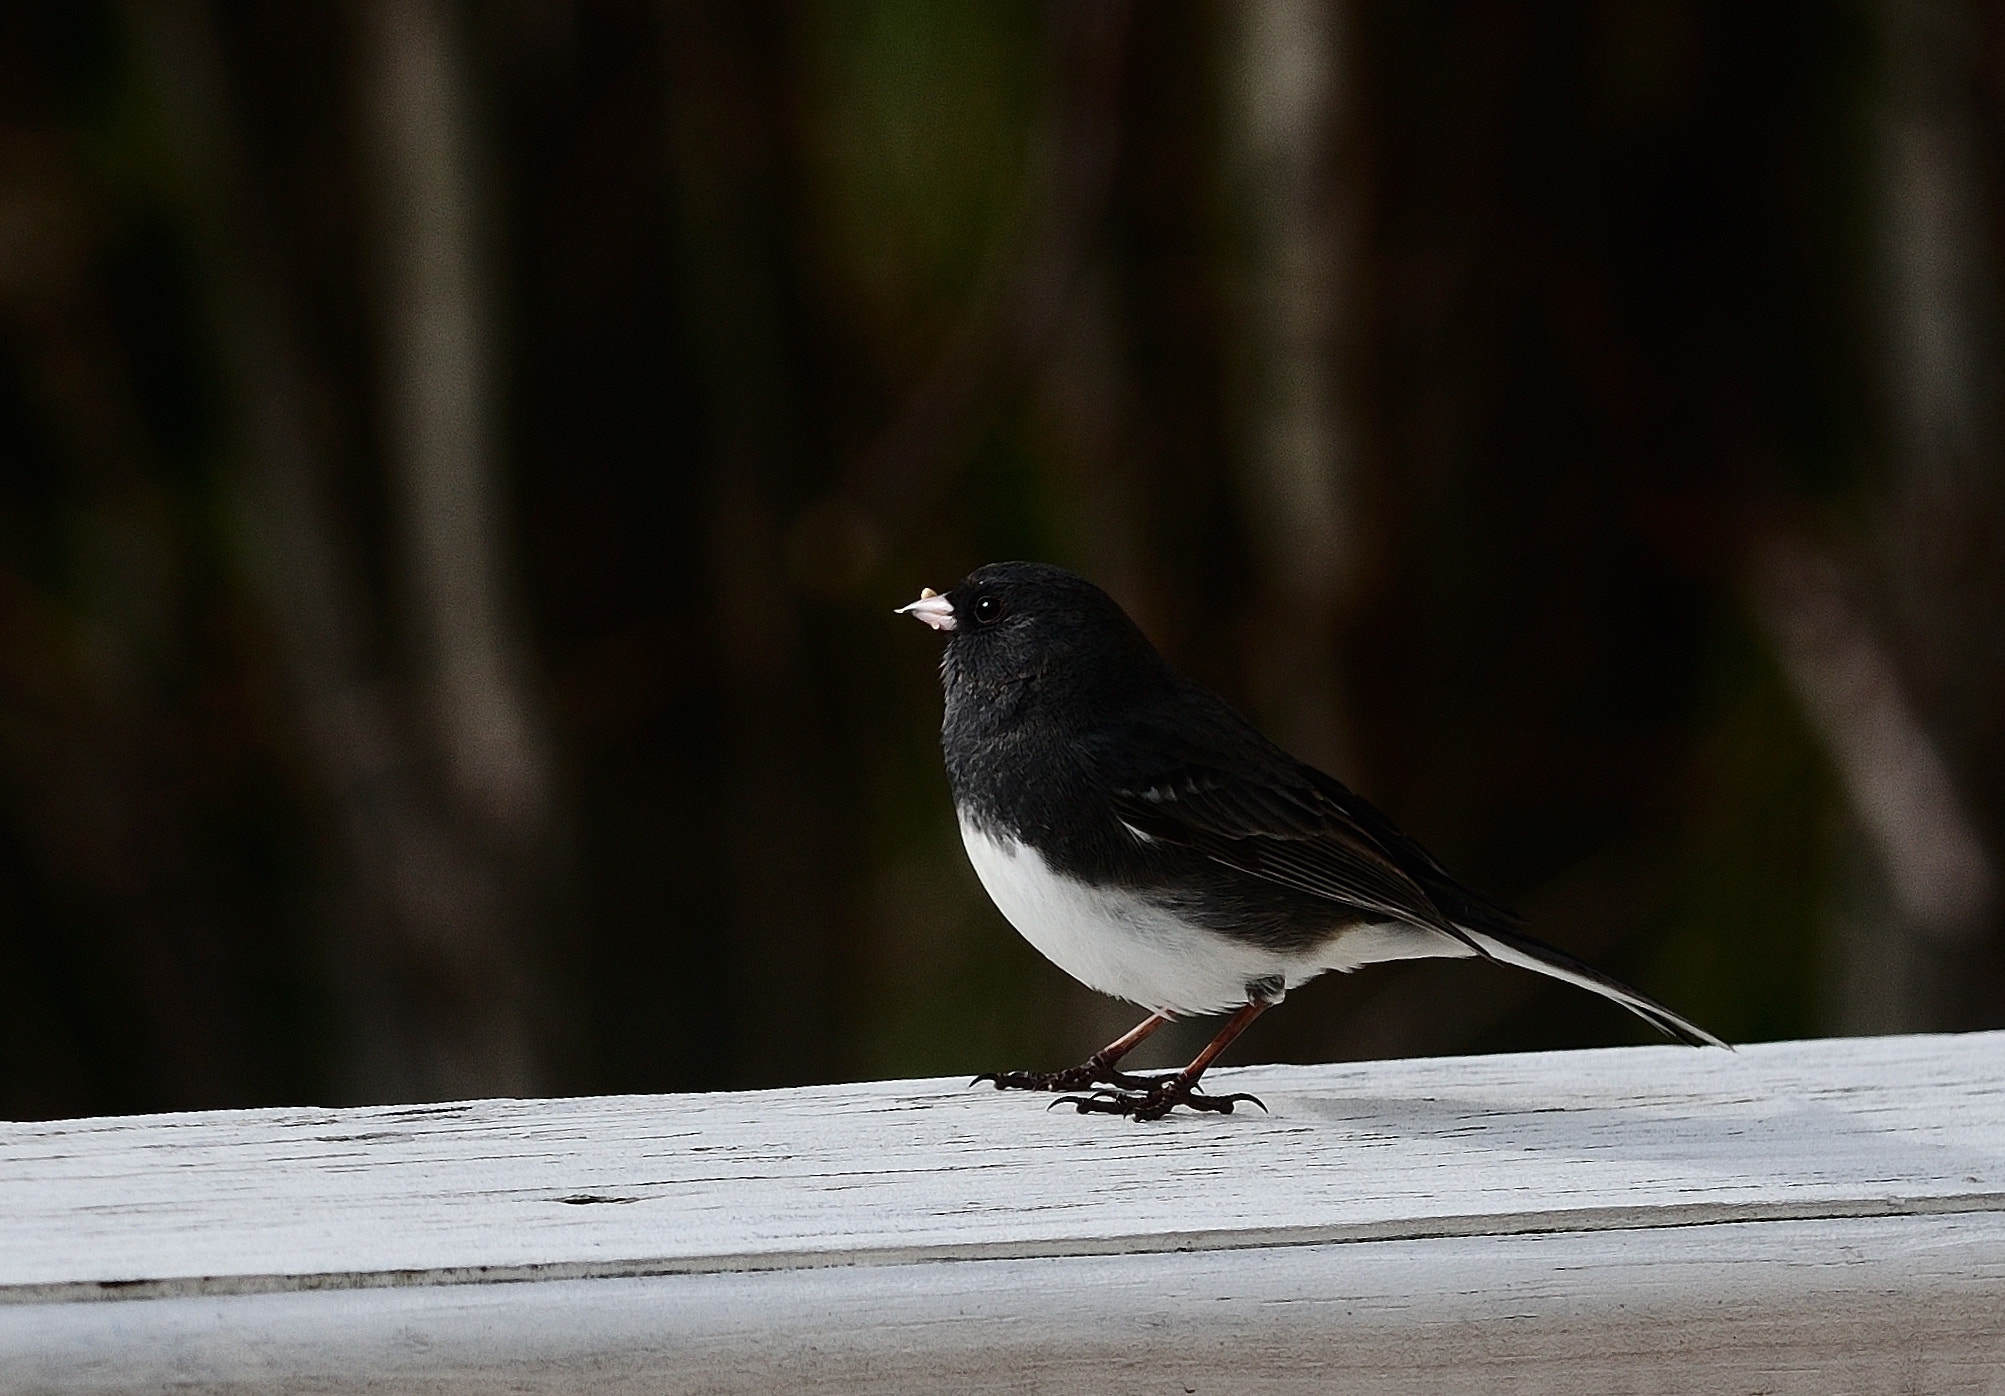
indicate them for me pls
(1153, 845)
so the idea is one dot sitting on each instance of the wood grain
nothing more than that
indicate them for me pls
(1793, 1209)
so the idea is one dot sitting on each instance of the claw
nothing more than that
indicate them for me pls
(1099, 1102)
(1156, 1102)
(1223, 1103)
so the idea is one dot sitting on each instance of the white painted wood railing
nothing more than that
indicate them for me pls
(1794, 1217)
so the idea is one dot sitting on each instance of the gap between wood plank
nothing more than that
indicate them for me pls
(1592, 1219)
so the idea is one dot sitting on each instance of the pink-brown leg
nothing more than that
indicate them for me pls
(1159, 1097)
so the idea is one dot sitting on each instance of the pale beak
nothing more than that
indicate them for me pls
(932, 608)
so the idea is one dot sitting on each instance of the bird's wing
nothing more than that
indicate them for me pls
(1201, 778)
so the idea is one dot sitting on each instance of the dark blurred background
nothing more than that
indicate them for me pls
(458, 461)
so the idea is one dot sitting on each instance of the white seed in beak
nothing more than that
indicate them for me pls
(931, 609)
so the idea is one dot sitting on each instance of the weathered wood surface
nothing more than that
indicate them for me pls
(1795, 1216)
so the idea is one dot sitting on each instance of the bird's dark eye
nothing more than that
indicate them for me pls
(988, 610)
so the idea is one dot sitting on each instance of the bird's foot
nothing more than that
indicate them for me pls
(1156, 1101)
(1086, 1076)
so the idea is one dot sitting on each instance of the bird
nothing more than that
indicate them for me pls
(1154, 845)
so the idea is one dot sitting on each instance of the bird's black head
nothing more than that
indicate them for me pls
(1022, 635)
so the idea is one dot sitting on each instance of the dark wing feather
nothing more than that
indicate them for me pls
(1461, 903)
(1198, 776)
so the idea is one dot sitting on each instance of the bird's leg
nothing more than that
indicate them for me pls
(1096, 1070)
(1158, 1098)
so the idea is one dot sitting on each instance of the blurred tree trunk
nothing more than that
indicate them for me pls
(436, 356)
(1285, 129)
(449, 495)
(1917, 924)
(1291, 327)
(423, 907)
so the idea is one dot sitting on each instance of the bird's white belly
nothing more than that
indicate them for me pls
(1122, 946)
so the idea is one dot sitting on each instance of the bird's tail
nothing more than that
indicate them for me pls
(1510, 948)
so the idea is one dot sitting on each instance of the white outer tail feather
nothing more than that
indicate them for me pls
(1650, 1011)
